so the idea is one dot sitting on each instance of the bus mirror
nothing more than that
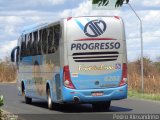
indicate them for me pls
(13, 59)
(12, 56)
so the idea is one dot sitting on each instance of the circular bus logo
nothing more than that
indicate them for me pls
(95, 28)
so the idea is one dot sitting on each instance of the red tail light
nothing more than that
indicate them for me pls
(66, 78)
(124, 75)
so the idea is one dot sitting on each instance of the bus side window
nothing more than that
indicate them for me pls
(29, 41)
(50, 40)
(39, 42)
(36, 37)
(33, 49)
(35, 43)
(23, 46)
(44, 41)
(56, 36)
(33, 46)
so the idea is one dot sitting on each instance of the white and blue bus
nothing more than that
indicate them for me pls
(74, 60)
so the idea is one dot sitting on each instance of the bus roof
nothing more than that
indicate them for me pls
(35, 27)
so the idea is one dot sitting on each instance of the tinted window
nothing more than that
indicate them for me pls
(44, 41)
(35, 43)
(50, 40)
(29, 43)
(23, 46)
(39, 42)
(56, 36)
(53, 38)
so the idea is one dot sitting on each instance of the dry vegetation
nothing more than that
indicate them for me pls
(7, 71)
(151, 76)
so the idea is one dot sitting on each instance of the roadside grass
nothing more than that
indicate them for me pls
(7, 72)
(151, 79)
(147, 96)
(8, 116)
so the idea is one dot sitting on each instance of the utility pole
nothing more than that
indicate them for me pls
(141, 32)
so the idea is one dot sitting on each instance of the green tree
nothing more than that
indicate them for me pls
(105, 2)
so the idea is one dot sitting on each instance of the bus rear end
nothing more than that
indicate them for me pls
(96, 66)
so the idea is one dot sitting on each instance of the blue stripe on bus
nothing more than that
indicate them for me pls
(79, 24)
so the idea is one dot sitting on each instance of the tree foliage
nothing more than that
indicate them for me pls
(105, 2)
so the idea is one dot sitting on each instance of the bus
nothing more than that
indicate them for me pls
(76, 60)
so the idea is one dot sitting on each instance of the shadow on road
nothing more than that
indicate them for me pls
(78, 108)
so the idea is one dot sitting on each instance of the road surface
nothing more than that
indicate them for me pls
(38, 109)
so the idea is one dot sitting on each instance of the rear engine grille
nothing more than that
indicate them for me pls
(95, 56)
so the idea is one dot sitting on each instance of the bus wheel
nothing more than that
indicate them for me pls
(28, 100)
(23, 89)
(50, 103)
(101, 106)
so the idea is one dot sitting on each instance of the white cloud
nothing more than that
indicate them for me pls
(6, 48)
(35, 7)
(155, 33)
(151, 18)
(152, 53)
(13, 20)
(85, 9)
(53, 2)
(151, 3)
(9, 30)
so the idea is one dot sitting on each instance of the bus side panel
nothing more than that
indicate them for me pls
(25, 74)
(49, 73)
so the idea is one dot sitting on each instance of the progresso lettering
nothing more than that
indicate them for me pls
(95, 46)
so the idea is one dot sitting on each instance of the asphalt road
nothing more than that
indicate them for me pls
(38, 109)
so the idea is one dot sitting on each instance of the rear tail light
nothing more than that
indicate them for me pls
(124, 75)
(66, 78)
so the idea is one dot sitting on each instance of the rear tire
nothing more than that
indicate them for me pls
(51, 105)
(28, 100)
(23, 89)
(103, 106)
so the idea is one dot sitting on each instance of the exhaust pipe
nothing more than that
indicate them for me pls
(76, 99)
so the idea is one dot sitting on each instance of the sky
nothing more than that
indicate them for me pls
(16, 15)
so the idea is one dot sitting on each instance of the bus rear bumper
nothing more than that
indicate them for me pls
(85, 96)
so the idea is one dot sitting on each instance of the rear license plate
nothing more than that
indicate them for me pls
(97, 93)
